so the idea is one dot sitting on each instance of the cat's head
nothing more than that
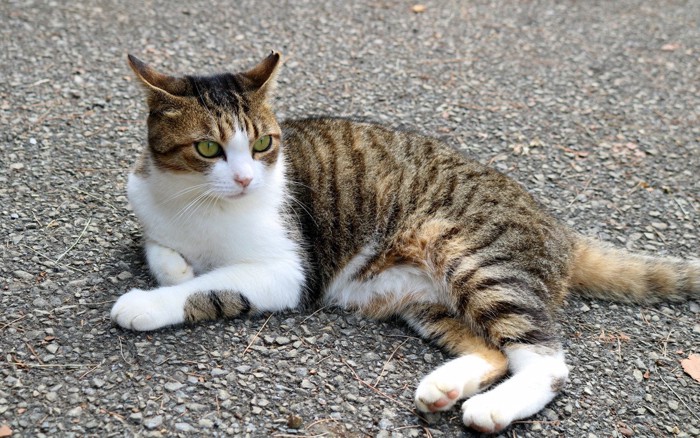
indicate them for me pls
(217, 132)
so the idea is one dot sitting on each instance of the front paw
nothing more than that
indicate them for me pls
(168, 266)
(144, 310)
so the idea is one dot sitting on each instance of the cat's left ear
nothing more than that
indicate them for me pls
(263, 77)
(156, 81)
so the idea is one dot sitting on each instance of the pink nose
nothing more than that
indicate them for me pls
(243, 181)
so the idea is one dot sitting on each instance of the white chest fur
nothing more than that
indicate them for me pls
(206, 232)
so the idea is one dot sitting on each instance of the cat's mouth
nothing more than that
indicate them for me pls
(237, 195)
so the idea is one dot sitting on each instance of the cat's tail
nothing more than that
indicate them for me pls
(602, 271)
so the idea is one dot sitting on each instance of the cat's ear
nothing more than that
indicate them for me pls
(158, 82)
(263, 77)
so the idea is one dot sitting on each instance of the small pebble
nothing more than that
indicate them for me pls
(207, 423)
(282, 340)
(184, 427)
(638, 376)
(625, 431)
(22, 275)
(659, 225)
(173, 386)
(75, 412)
(124, 275)
(215, 372)
(153, 422)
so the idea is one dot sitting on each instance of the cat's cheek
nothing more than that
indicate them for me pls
(221, 181)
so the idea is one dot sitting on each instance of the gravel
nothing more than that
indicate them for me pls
(594, 106)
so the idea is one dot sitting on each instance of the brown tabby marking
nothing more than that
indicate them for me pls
(216, 305)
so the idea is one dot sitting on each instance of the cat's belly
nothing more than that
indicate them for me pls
(388, 288)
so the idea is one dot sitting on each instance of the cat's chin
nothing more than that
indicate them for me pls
(234, 196)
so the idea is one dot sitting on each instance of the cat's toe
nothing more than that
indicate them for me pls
(484, 414)
(142, 311)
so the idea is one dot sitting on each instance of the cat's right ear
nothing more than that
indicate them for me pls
(158, 82)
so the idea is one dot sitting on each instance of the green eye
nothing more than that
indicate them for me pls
(208, 149)
(262, 144)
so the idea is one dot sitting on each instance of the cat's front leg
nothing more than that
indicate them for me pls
(224, 292)
(167, 265)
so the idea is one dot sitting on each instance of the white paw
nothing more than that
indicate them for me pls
(536, 381)
(486, 414)
(455, 380)
(145, 310)
(168, 266)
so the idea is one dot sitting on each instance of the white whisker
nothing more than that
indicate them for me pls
(183, 192)
(188, 210)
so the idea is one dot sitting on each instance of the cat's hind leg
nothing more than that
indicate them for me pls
(509, 308)
(539, 373)
(476, 366)
(167, 265)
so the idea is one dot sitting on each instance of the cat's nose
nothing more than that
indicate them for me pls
(244, 181)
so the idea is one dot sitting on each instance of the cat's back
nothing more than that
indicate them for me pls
(362, 166)
(357, 185)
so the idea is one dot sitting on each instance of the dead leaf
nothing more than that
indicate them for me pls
(670, 47)
(691, 366)
(5, 431)
(418, 8)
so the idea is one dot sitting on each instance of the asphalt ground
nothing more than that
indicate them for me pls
(593, 105)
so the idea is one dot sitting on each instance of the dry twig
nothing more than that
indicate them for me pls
(256, 335)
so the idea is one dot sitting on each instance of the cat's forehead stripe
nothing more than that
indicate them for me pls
(217, 91)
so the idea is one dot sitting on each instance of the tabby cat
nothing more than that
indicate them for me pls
(242, 214)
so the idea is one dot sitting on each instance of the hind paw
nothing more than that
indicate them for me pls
(431, 398)
(485, 414)
(455, 380)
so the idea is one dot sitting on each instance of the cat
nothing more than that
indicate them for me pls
(242, 214)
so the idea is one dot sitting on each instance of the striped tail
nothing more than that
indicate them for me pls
(601, 271)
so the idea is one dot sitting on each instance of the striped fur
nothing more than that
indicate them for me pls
(389, 223)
